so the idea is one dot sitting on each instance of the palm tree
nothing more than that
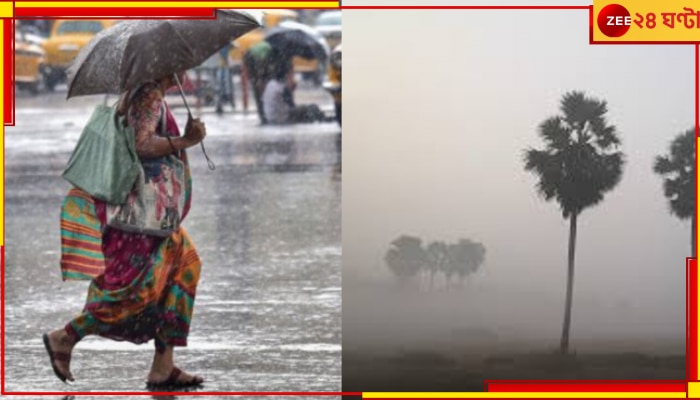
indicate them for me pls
(679, 171)
(579, 164)
(405, 257)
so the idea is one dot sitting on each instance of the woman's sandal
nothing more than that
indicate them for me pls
(172, 381)
(56, 356)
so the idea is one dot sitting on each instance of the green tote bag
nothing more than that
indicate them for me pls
(104, 162)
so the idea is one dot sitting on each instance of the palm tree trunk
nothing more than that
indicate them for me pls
(569, 285)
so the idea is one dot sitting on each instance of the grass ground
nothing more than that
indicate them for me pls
(436, 371)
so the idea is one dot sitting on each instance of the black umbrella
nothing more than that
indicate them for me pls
(296, 39)
(136, 51)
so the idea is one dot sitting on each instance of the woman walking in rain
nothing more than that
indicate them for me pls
(143, 286)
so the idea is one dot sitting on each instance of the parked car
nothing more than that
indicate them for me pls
(329, 24)
(31, 34)
(35, 39)
(29, 64)
(66, 39)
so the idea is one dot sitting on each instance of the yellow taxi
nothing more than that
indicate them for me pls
(29, 65)
(270, 19)
(67, 37)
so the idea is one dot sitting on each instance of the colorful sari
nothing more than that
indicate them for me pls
(143, 287)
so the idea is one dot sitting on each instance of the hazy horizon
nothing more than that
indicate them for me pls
(439, 107)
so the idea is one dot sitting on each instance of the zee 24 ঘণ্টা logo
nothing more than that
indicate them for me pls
(614, 20)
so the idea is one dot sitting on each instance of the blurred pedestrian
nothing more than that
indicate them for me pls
(257, 61)
(223, 79)
(278, 99)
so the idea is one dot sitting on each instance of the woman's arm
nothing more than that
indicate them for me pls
(144, 115)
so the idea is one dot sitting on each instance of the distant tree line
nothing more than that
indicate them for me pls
(410, 260)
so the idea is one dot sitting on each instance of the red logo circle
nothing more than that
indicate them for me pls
(614, 20)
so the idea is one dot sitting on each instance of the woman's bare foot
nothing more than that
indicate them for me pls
(62, 343)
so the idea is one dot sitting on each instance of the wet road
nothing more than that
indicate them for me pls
(267, 227)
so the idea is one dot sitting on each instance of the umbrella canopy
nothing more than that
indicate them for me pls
(296, 39)
(133, 52)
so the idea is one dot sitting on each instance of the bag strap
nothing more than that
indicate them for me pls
(163, 119)
(124, 104)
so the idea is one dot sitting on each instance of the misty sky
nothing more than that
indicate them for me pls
(439, 106)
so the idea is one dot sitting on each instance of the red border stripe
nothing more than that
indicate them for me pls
(112, 12)
(464, 7)
(8, 27)
(126, 13)
(587, 387)
(692, 351)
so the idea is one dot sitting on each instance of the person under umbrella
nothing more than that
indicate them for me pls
(274, 56)
(142, 294)
(142, 287)
(257, 62)
(261, 61)
(278, 100)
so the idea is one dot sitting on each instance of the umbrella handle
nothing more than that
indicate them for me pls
(210, 163)
(182, 93)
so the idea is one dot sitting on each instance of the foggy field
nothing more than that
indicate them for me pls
(506, 317)
(439, 342)
(439, 371)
